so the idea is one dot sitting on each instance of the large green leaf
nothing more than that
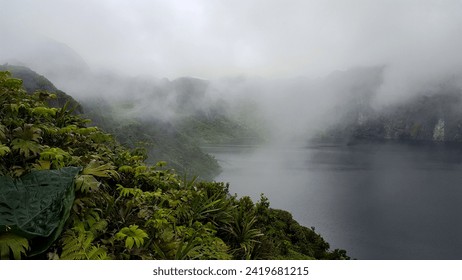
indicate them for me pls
(37, 204)
(86, 183)
(96, 169)
(25, 147)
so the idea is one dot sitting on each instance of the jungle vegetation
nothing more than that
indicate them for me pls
(125, 208)
(176, 141)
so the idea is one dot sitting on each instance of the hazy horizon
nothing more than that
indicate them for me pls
(213, 39)
(266, 43)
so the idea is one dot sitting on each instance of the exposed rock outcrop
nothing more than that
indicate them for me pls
(433, 117)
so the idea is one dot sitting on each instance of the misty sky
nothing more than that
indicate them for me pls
(268, 38)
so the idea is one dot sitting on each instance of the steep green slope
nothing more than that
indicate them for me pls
(162, 140)
(173, 119)
(33, 82)
(125, 208)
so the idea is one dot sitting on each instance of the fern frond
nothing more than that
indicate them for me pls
(126, 192)
(77, 245)
(13, 244)
(99, 226)
(4, 150)
(73, 244)
(97, 253)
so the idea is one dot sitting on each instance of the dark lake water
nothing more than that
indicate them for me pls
(377, 201)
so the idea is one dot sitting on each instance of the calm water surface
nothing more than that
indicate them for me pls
(377, 201)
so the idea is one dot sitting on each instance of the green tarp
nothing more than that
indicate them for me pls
(37, 205)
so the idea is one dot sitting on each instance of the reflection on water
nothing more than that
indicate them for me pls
(377, 201)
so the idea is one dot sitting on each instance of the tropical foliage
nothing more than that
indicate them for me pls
(125, 208)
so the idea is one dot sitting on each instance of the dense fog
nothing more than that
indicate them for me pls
(302, 62)
(285, 73)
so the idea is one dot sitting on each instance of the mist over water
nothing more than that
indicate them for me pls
(303, 66)
(377, 201)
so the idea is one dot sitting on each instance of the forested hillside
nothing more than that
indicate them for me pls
(34, 82)
(145, 119)
(111, 204)
(174, 118)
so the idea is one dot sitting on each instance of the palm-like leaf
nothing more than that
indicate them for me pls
(132, 235)
(25, 147)
(100, 170)
(244, 233)
(86, 183)
(28, 132)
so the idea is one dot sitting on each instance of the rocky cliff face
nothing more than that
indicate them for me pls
(433, 117)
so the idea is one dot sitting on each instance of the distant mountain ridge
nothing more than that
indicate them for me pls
(162, 140)
(51, 58)
(138, 115)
